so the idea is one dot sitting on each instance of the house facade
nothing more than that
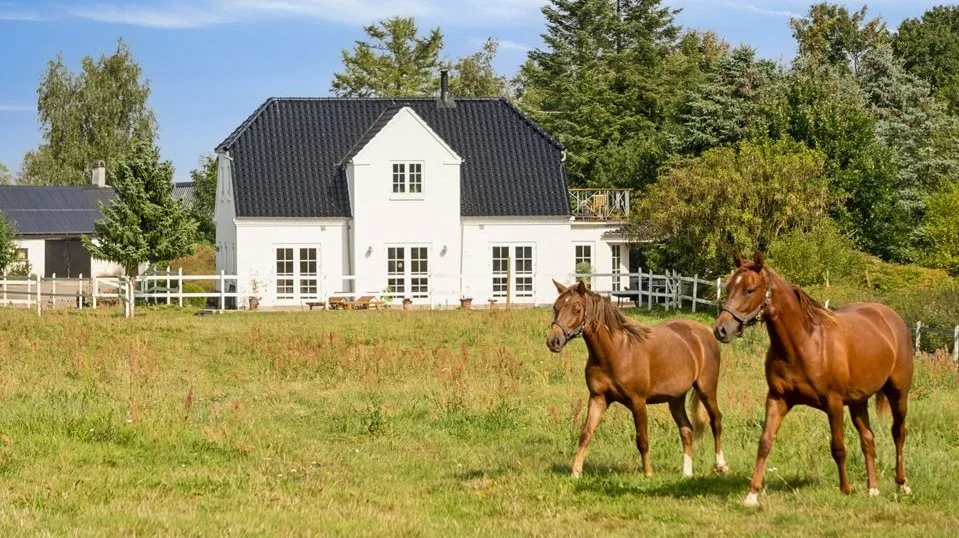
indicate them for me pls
(427, 199)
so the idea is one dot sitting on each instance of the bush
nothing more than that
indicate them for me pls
(936, 307)
(891, 277)
(823, 255)
(198, 302)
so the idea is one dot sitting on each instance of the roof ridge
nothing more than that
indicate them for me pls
(228, 141)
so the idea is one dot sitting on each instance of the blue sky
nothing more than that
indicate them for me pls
(211, 62)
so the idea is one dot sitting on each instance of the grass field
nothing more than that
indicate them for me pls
(406, 423)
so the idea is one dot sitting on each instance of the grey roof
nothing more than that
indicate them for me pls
(183, 191)
(288, 155)
(53, 210)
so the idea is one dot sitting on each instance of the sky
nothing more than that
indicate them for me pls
(210, 63)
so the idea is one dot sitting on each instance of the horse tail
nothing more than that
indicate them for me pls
(882, 404)
(699, 415)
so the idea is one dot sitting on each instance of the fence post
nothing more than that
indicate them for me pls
(80, 283)
(54, 288)
(719, 290)
(4, 289)
(180, 287)
(918, 335)
(39, 296)
(695, 290)
(955, 345)
(649, 291)
(222, 290)
(93, 291)
(168, 285)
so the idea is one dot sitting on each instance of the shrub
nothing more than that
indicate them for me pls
(823, 255)
(198, 302)
(936, 307)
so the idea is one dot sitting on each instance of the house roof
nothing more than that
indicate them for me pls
(53, 210)
(183, 191)
(288, 155)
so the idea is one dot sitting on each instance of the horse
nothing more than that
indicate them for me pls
(822, 359)
(636, 366)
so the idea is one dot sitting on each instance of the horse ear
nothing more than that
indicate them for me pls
(559, 287)
(581, 287)
(759, 259)
(738, 260)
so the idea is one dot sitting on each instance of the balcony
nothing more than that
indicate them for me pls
(599, 204)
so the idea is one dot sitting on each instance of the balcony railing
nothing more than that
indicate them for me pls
(599, 204)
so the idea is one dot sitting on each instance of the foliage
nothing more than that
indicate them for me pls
(732, 199)
(395, 62)
(6, 177)
(94, 115)
(929, 47)
(8, 248)
(143, 223)
(196, 302)
(474, 76)
(937, 307)
(819, 256)
(831, 35)
(204, 198)
(584, 268)
(940, 232)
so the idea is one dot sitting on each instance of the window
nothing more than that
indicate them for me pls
(308, 287)
(617, 261)
(517, 260)
(408, 276)
(584, 255)
(408, 178)
(284, 273)
(21, 254)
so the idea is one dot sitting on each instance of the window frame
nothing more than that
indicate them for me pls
(407, 180)
(408, 270)
(520, 284)
(300, 284)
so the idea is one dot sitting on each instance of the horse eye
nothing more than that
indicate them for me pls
(750, 290)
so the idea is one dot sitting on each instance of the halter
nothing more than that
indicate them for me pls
(570, 334)
(745, 320)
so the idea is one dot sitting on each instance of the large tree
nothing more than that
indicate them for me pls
(732, 198)
(90, 116)
(474, 75)
(204, 198)
(395, 62)
(929, 46)
(832, 34)
(6, 177)
(143, 223)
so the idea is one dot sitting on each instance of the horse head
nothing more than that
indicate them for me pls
(569, 315)
(747, 296)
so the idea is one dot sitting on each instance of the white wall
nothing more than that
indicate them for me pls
(257, 240)
(36, 254)
(591, 233)
(224, 215)
(382, 219)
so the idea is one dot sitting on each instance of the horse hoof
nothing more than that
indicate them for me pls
(577, 474)
(873, 492)
(751, 500)
(905, 490)
(722, 469)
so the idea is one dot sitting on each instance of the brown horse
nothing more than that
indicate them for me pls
(822, 359)
(635, 366)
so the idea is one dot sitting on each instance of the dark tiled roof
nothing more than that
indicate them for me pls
(287, 156)
(50, 210)
(183, 191)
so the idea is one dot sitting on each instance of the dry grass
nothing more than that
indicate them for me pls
(423, 423)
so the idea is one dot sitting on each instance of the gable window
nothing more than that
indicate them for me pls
(407, 271)
(408, 178)
(512, 270)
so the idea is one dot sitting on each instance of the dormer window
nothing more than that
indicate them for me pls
(408, 179)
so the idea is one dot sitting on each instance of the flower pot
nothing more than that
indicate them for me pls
(407, 304)
(466, 303)
(254, 303)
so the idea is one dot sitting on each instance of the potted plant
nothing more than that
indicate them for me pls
(407, 303)
(254, 298)
(387, 296)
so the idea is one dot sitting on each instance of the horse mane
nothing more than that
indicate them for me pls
(813, 312)
(600, 311)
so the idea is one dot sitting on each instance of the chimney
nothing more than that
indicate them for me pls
(99, 175)
(446, 98)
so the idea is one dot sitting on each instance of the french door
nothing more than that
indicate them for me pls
(297, 273)
(512, 270)
(407, 271)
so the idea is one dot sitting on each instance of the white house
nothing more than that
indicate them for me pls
(433, 199)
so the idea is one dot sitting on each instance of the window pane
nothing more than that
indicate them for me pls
(284, 273)
(416, 178)
(617, 260)
(399, 177)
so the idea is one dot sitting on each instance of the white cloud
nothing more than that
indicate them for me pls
(13, 12)
(506, 44)
(762, 10)
(17, 108)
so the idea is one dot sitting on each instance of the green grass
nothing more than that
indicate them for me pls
(406, 423)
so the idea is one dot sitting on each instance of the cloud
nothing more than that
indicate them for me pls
(202, 13)
(17, 108)
(14, 12)
(761, 10)
(506, 44)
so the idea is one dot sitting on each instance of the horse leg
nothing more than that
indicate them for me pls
(597, 406)
(707, 395)
(642, 435)
(899, 406)
(860, 418)
(677, 406)
(838, 445)
(776, 409)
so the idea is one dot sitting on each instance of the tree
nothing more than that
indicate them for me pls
(732, 198)
(929, 48)
(940, 231)
(143, 223)
(474, 75)
(6, 177)
(830, 34)
(86, 117)
(396, 62)
(8, 249)
(204, 198)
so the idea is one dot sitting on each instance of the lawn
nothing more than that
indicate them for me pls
(407, 423)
